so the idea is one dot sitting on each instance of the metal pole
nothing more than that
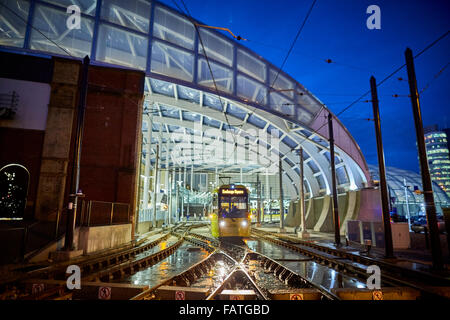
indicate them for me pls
(155, 186)
(72, 209)
(267, 187)
(436, 250)
(258, 188)
(337, 236)
(270, 205)
(280, 169)
(407, 204)
(389, 249)
(177, 194)
(182, 193)
(304, 233)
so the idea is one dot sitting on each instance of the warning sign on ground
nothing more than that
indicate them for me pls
(377, 295)
(296, 296)
(104, 293)
(180, 295)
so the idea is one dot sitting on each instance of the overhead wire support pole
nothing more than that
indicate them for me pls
(304, 233)
(280, 177)
(337, 235)
(430, 208)
(72, 209)
(155, 187)
(388, 244)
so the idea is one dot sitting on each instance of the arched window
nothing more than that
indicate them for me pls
(14, 180)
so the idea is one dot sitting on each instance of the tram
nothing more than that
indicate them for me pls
(231, 216)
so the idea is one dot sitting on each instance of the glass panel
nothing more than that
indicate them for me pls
(313, 166)
(211, 122)
(52, 23)
(213, 102)
(289, 142)
(169, 112)
(133, 14)
(216, 48)
(223, 77)
(341, 175)
(236, 111)
(251, 65)
(191, 116)
(172, 62)
(86, 6)
(321, 182)
(256, 121)
(251, 90)
(121, 47)
(281, 104)
(173, 28)
(303, 116)
(189, 94)
(12, 28)
(308, 103)
(162, 87)
(280, 83)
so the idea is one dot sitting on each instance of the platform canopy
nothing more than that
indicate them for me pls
(210, 102)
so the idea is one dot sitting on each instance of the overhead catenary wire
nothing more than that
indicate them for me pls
(429, 46)
(208, 63)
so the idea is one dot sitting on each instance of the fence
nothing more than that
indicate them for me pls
(100, 213)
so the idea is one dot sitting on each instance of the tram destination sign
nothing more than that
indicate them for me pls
(232, 191)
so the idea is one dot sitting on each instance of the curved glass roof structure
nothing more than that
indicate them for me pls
(211, 102)
(396, 179)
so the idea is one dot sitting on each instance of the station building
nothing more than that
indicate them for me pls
(171, 107)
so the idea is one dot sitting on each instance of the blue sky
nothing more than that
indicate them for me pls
(336, 29)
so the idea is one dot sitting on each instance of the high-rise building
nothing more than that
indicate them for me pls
(438, 155)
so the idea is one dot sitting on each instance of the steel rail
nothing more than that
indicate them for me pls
(336, 262)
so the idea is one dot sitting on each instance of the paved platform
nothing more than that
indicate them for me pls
(416, 258)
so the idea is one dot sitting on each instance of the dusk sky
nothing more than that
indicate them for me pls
(337, 30)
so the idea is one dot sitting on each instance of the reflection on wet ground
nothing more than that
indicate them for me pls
(160, 246)
(176, 263)
(215, 276)
(302, 265)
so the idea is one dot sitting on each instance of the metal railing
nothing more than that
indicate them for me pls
(100, 213)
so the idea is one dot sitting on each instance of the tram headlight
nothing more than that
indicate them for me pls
(243, 223)
(222, 223)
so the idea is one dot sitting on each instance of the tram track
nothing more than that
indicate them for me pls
(92, 267)
(240, 274)
(356, 266)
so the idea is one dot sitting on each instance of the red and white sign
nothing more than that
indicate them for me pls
(296, 296)
(104, 293)
(37, 288)
(180, 295)
(377, 295)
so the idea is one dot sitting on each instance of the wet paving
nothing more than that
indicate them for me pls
(318, 274)
(183, 258)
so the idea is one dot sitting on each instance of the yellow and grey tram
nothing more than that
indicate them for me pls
(231, 213)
